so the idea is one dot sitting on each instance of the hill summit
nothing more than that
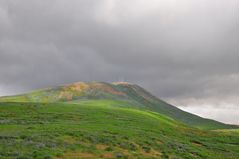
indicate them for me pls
(83, 90)
(130, 95)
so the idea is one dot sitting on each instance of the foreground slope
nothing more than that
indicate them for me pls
(104, 129)
(134, 95)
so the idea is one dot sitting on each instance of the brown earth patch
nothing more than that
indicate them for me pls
(78, 86)
(106, 88)
(107, 155)
(66, 95)
(152, 153)
(101, 146)
(196, 143)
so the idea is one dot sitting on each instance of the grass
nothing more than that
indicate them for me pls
(105, 129)
(126, 95)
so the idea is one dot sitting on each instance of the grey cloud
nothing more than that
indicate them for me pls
(179, 50)
(225, 114)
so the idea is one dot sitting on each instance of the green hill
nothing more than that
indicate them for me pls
(99, 129)
(129, 94)
(96, 120)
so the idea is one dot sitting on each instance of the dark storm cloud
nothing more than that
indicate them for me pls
(183, 51)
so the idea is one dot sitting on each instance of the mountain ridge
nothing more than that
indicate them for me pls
(122, 91)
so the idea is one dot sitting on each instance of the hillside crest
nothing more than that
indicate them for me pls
(131, 95)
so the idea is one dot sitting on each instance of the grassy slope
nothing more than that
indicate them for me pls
(137, 96)
(154, 104)
(104, 129)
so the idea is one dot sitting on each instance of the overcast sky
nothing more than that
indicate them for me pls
(184, 51)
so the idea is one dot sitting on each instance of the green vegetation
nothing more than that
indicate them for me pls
(103, 129)
(100, 120)
(129, 94)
